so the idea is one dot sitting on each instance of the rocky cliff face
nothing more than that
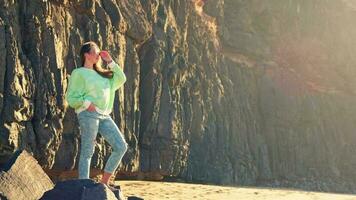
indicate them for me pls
(228, 92)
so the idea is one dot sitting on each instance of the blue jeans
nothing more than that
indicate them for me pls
(90, 124)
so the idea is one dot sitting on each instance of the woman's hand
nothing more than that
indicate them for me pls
(105, 56)
(91, 107)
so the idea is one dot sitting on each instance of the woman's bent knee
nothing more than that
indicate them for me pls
(120, 147)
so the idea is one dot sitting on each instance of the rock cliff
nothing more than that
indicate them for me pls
(226, 91)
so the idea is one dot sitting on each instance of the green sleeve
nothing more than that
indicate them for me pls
(75, 92)
(119, 77)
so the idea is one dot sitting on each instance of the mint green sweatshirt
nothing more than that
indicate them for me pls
(86, 86)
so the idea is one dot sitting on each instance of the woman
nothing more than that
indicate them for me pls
(91, 92)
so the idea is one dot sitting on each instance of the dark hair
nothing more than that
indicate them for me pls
(86, 47)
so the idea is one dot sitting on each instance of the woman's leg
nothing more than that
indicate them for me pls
(109, 130)
(89, 126)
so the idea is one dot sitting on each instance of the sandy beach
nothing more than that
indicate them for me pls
(177, 191)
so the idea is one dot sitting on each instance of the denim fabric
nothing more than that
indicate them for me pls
(90, 124)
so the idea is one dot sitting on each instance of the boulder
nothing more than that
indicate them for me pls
(83, 189)
(23, 178)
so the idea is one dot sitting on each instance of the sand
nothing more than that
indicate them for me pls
(176, 191)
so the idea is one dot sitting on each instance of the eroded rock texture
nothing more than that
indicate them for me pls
(226, 91)
(21, 178)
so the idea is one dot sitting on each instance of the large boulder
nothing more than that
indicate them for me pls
(23, 178)
(82, 189)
